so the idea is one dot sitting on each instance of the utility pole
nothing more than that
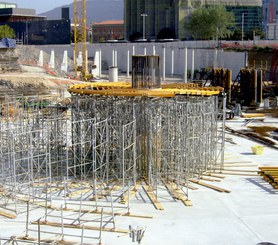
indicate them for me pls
(242, 26)
(144, 26)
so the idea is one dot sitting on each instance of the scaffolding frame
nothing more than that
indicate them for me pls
(100, 148)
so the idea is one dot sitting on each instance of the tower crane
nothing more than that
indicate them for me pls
(80, 37)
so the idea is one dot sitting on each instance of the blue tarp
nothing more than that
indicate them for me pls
(7, 43)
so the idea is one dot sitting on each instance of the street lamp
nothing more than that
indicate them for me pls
(144, 25)
(242, 26)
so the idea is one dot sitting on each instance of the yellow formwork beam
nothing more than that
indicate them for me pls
(125, 92)
(124, 89)
(101, 85)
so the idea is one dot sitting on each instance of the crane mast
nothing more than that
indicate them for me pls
(80, 37)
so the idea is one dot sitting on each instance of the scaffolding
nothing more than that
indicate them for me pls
(82, 160)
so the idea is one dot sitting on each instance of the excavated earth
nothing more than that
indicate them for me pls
(32, 80)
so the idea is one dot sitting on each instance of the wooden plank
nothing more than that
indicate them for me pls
(210, 179)
(78, 192)
(152, 197)
(214, 175)
(105, 192)
(271, 172)
(177, 193)
(132, 192)
(7, 215)
(237, 173)
(253, 115)
(77, 226)
(241, 170)
(216, 188)
(270, 175)
(131, 215)
(191, 187)
(268, 168)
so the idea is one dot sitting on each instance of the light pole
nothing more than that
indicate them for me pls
(144, 26)
(242, 26)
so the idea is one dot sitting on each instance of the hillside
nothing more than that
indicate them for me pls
(97, 10)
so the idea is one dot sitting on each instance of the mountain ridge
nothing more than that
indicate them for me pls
(97, 10)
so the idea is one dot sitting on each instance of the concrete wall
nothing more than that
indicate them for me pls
(204, 57)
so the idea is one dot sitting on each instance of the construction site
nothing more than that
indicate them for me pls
(146, 159)
(103, 165)
(90, 157)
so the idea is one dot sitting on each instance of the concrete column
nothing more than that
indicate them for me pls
(64, 65)
(86, 62)
(113, 57)
(172, 61)
(79, 59)
(154, 51)
(145, 51)
(52, 59)
(185, 66)
(127, 63)
(116, 58)
(163, 63)
(215, 59)
(246, 59)
(100, 65)
(113, 74)
(95, 71)
(40, 62)
(266, 103)
(192, 65)
(133, 50)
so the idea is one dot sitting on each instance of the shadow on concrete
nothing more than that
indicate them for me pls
(247, 153)
(266, 243)
(263, 185)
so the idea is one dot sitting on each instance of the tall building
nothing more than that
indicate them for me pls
(156, 14)
(150, 17)
(34, 29)
(247, 17)
(270, 18)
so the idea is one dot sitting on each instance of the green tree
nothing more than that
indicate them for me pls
(79, 36)
(211, 22)
(6, 31)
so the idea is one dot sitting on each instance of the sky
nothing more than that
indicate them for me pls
(39, 5)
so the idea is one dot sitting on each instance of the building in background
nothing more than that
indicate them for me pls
(18, 14)
(270, 19)
(34, 29)
(150, 18)
(249, 18)
(107, 30)
(7, 5)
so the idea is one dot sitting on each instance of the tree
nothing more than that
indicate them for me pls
(237, 35)
(6, 31)
(211, 22)
(79, 36)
